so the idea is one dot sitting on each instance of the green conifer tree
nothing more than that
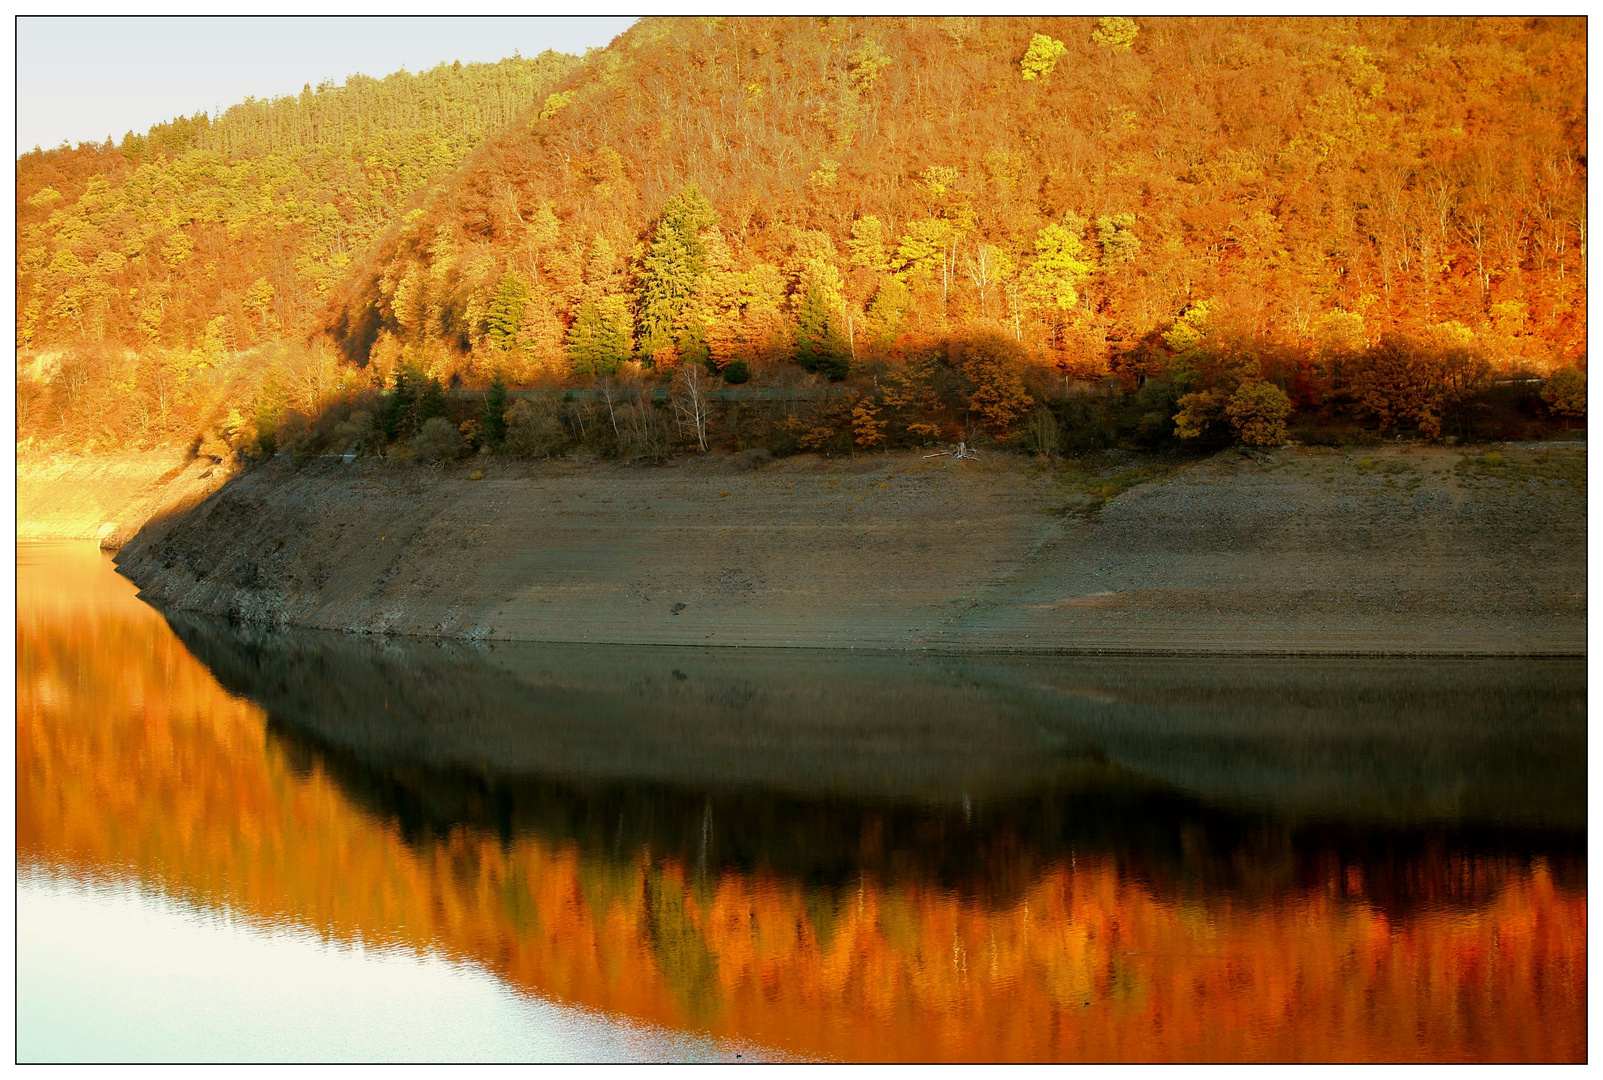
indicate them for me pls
(430, 403)
(398, 409)
(495, 411)
(693, 347)
(505, 317)
(584, 339)
(600, 338)
(616, 338)
(819, 345)
(677, 257)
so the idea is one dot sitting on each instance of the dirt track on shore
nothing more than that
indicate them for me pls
(1413, 550)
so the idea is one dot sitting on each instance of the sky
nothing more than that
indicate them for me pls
(81, 79)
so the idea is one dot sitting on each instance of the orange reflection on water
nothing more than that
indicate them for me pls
(133, 763)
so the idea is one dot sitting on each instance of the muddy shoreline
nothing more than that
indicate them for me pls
(1397, 551)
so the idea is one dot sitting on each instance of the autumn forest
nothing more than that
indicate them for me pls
(1052, 234)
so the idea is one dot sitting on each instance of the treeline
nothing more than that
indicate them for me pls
(821, 193)
(978, 386)
(97, 396)
(243, 224)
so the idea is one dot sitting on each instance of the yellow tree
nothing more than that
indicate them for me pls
(1052, 280)
(1116, 32)
(260, 297)
(1041, 57)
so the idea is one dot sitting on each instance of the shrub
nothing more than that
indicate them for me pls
(1257, 412)
(1086, 421)
(1565, 392)
(867, 427)
(294, 434)
(1147, 416)
(1201, 415)
(736, 372)
(357, 433)
(1212, 368)
(437, 440)
(642, 429)
(1391, 384)
(534, 430)
(1401, 380)
(1041, 432)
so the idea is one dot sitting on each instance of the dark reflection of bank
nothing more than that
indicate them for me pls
(1254, 779)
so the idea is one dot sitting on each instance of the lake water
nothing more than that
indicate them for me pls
(237, 843)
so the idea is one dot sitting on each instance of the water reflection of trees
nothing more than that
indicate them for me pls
(964, 775)
(1075, 908)
(989, 853)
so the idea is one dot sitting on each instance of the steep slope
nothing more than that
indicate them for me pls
(150, 271)
(870, 182)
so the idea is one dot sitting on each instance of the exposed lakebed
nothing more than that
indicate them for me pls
(1411, 551)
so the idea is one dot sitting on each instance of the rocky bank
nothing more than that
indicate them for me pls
(1406, 550)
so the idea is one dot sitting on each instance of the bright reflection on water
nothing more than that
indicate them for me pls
(410, 849)
(117, 973)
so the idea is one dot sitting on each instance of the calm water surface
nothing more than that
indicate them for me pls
(236, 843)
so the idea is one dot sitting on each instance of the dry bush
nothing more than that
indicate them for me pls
(534, 429)
(437, 440)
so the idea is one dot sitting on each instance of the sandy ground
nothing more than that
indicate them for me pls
(1409, 550)
(107, 497)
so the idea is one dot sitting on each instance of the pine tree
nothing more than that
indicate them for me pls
(665, 288)
(505, 317)
(584, 340)
(398, 408)
(819, 346)
(431, 402)
(600, 338)
(693, 347)
(616, 339)
(495, 408)
(676, 259)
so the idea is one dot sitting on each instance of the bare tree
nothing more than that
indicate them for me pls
(984, 267)
(612, 414)
(690, 402)
(1472, 227)
(644, 431)
(506, 205)
(312, 374)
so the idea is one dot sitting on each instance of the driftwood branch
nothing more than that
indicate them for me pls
(962, 453)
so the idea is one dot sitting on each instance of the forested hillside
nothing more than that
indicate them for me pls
(1240, 217)
(1087, 184)
(145, 269)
